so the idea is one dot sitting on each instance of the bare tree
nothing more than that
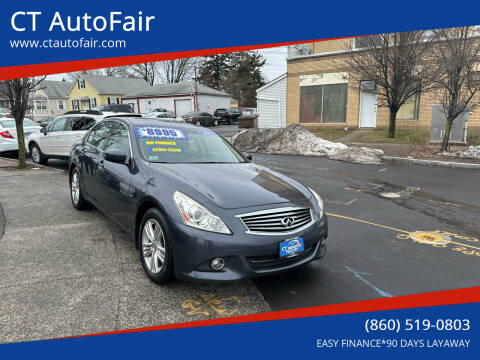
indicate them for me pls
(18, 92)
(397, 63)
(174, 71)
(119, 71)
(73, 75)
(145, 71)
(456, 56)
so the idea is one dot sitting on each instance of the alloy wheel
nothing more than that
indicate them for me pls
(75, 188)
(153, 246)
(35, 154)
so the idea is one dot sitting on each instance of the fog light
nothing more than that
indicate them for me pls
(217, 264)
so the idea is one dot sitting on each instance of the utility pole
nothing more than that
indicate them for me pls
(196, 88)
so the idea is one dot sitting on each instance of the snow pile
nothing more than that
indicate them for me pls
(296, 140)
(472, 152)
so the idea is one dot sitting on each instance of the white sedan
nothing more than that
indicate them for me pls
(8, 133)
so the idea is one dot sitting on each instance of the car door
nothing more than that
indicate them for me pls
(207, 119)
(49, 143)
(92, 161)
(114, 180)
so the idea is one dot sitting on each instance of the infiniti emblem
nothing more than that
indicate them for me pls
(287, 221)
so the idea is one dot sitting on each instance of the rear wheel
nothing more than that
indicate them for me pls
(37, 156)
(155, 249)
(215, 122)
(198, 123)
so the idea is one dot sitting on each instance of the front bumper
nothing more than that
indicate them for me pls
(246, 255)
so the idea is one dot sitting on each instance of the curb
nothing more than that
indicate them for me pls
(31, 163)
(451, 164)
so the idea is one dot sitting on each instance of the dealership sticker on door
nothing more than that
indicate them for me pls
(159, 133)
(291, 247)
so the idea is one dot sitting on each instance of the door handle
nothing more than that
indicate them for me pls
(101, 163)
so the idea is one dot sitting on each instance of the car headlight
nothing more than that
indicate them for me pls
(319, 201)
(197, 216)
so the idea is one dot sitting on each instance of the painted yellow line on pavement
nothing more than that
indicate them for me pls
(367, 222)
(390, 228)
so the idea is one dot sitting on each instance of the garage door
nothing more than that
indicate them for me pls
(269, 113)
(183, 106)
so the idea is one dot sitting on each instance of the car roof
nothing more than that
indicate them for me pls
(141, 121)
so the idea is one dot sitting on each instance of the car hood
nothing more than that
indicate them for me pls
(232, 186)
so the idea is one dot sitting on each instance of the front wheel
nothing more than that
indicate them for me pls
(198, 123)
(215, 122)
(155, 249)
(76, 195)
(37, 156)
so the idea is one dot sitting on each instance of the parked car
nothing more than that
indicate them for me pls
(228, 116)
(56, 139)
(44, 121)
(115, 108)
(166, 116)
(249, 111)
(200, 118)
(164, 184)
(8, 133)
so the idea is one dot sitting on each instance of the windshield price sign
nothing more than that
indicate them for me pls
(160, 132)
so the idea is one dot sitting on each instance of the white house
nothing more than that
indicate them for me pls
(179, 98)
(272, 103)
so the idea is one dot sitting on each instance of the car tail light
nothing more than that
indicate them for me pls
(191, 118)
(6, 135)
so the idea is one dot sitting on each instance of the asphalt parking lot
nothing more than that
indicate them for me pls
(394, 230)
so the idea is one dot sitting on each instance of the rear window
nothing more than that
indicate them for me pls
(11, 123)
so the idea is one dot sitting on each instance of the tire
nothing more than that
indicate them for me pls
(37, 156)
(78, 201)
(158, 271)
(230, 122)
(215, 122)
(198, 123)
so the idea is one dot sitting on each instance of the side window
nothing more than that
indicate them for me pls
(118, 139)
(98, 136)
(83, 123)
(70, 123)
(58, 125)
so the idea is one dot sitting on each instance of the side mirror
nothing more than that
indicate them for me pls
(43, 130)
(116, 156)
(248, 156)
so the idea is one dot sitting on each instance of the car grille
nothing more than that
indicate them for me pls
(273, 261)
(279, 221)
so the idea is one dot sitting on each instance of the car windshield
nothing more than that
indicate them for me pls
(11, 123)
(170, 144)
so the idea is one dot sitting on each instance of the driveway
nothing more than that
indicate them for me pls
(394, 230)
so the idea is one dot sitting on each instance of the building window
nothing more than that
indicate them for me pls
(40, 105)
(323, 103)
(409, 110)
(81, 83)
(75, 105)
(112, 100)
(364, 42)
(60, 105)
(93, 102)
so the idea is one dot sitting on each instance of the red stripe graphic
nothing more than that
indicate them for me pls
(21, 71)
(448, 297)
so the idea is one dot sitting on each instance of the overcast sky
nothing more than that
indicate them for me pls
(276, 64)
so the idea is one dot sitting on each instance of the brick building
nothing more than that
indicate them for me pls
(321, 93)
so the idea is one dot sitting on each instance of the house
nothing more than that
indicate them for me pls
(89, 91)
(50, 99)
(322, 93)
(179, 98)
(272, 103)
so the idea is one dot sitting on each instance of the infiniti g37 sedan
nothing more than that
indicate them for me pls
(196, 208)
